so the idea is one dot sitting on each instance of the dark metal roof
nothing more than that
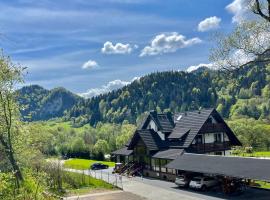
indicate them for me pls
(124, 152)
(149, 137)
(178, 132)
(163, 121)
(166, 122)
(169, 154)
(193, 121)
(237, 167)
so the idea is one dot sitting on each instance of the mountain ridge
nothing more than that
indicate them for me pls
(246, 94)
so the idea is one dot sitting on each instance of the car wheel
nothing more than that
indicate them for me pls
(204, 188)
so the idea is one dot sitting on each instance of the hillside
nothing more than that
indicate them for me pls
(244, 95)
(41, 104)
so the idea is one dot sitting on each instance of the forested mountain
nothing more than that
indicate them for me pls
(41, 104)
(244, 95)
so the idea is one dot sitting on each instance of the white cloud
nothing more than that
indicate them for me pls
(90, 64)
(118, 48)
(112, 85)
(166, 43)
(240, 9)
(195, 67)
(209, 23)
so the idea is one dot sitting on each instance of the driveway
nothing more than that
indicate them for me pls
(116, 195)
(158, 189)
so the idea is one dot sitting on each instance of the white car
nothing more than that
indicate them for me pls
(203, 183)
(182, 181)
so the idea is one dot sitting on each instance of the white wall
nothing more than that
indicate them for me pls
(152, 125)
(161, 135)
(227, 153)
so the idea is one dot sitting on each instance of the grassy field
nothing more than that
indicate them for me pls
(83, 163)
(256, 154)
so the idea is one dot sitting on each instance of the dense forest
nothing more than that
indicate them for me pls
(38, 103)
(244, 95)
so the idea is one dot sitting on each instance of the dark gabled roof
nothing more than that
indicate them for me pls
(169, 154)
(237, 167)
(150, 138)
(193, 121)
(178, 132)
(164, 121)
(124, 152)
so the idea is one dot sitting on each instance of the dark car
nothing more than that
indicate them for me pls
(97, 166)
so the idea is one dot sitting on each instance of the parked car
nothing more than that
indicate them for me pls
(97, 166)
(203, 183)
(182, 181)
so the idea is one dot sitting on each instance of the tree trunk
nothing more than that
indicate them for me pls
(15, 166)
(10, 155)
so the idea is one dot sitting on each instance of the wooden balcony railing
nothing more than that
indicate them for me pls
(210, 147)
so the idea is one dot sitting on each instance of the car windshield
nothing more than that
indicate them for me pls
(196, 179)
(95, 164)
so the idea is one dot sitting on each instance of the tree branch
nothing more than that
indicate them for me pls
(259, 11)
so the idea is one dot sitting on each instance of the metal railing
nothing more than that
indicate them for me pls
(104, 175)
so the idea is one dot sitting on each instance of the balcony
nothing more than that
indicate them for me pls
(210, 147)
(213, 128)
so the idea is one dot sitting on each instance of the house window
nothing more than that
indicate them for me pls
(199, 139)
(162, 164)
(171, 171)
(155, 165)
(209, 120)
(140, 150)
(218, 137)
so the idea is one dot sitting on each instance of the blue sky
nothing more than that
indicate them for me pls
(63, 42)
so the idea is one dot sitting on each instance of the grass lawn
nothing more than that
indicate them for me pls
(84, 163)
(263, 184)
(256, 154)
(77, 184)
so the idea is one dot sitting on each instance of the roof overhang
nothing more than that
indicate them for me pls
(169, 154)
(236, 167)
(123, 152)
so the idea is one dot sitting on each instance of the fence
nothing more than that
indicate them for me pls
(105, 175)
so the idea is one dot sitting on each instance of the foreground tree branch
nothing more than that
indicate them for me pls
(248, 43)
(258, 9)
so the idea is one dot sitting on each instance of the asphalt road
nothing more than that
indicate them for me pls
(163, 190)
